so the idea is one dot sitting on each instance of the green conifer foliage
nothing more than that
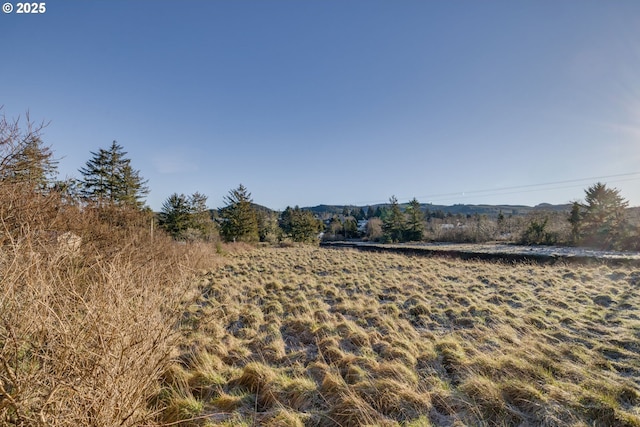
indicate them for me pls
(24, 159)
(186, 218)
(394, 223)
(239, 219)
(109, 179)
(300, 225)
(603, 222)
(415, 222)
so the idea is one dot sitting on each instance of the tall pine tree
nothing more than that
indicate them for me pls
(109, 179)
(175, 216)
(394, 224)
(239, 220)
(186, 217)
(574, 219)
(603, 222)
(415, 221)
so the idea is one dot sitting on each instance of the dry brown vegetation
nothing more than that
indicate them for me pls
(89, 305)
(305, 336)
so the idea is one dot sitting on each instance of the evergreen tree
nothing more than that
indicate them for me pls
(201, 220)
(300, 225)
(239, 220)
(350, 227)
(393, 223)
(186, 217)
(415, 222)
(604, 223)
(175, 216)
(574, 219)
(24, 158)
(286, 221)
(33, 164)
(109, 179)
(500, 222)
(370, 212)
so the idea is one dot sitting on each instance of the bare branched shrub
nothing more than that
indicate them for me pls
(85, 334)
(23, 157)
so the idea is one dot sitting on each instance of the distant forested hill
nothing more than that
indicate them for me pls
(489, 210)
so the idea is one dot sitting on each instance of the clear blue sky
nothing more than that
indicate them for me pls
(338, 101)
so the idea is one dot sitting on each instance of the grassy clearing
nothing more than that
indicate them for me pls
(321, 337)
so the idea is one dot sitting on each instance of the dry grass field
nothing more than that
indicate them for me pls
(308, 336)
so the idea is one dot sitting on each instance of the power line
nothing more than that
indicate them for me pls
(517, 187)
(538, 189)
(522, 188)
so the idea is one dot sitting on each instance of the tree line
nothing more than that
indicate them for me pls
(110, 184)
(240, 220)
(108, 180)
(602, 221)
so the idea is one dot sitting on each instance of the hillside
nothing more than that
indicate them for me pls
(462, 209)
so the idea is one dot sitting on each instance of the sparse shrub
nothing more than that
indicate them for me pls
(537, 233)
(374, 229)
(475, 229)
